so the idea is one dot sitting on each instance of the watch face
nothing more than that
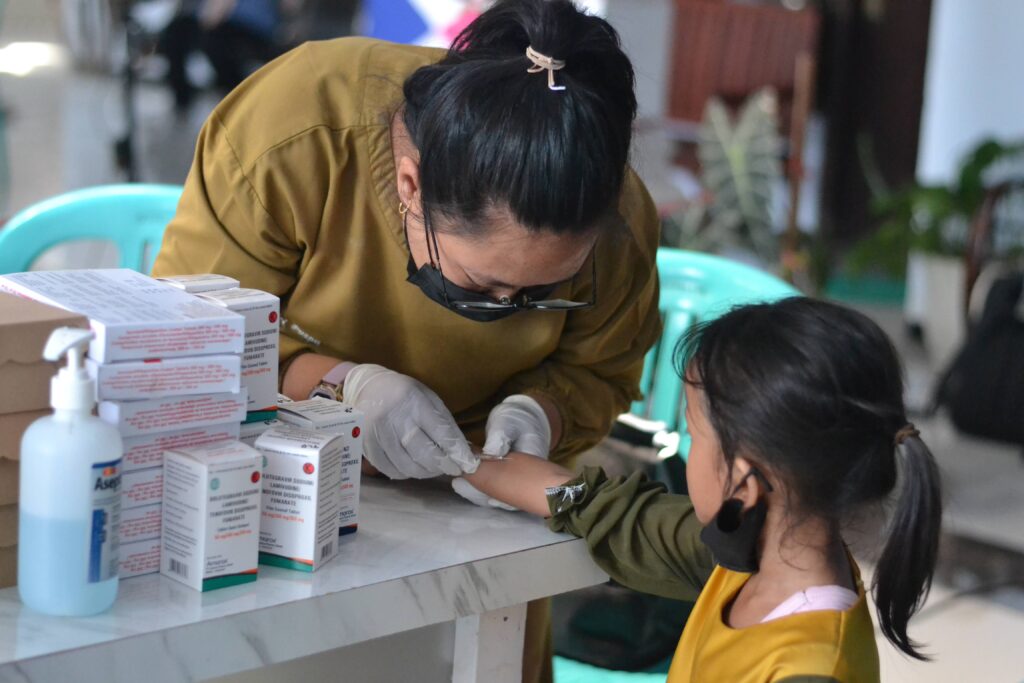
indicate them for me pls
(323, 392)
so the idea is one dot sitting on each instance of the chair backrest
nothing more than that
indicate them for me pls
(694, 287)
(132, 216)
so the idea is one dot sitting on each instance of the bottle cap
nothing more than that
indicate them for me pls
(71, 388)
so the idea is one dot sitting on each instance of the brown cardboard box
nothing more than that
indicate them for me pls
(8, 566)
(9, 472)
(12, 427)
(24, 328)
(8, 525)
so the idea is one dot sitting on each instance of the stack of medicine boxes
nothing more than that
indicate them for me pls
(170, 371)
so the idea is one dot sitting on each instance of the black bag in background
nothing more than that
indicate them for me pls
(983, 389)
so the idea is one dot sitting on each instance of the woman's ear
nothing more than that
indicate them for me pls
(408, 174)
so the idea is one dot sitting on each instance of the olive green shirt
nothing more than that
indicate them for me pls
(293, 191)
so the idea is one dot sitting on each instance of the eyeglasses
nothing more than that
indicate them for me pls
(530, 298)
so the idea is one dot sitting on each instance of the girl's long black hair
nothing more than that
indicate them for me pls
(813, 392)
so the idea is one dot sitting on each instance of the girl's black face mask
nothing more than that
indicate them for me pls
(733, 535)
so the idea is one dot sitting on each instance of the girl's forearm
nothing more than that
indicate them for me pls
(519, 480)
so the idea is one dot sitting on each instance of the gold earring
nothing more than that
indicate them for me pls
(402, 209)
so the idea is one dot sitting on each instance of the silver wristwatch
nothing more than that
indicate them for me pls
(331, 384)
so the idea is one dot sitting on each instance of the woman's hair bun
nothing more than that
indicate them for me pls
(490, 133)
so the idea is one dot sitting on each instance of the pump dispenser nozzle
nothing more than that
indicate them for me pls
(71, 388)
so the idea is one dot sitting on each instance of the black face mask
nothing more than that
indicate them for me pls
(434, 285)
(733, 534)
(439, 289)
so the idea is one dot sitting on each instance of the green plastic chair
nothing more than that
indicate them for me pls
(132, 216)
(694, 287)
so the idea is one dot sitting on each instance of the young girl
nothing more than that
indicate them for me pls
(796, 415)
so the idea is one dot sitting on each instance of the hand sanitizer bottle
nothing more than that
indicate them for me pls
(70, 499)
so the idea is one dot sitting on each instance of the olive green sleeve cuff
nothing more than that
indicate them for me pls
(643, 537)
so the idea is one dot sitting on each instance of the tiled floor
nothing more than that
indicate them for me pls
(60, 128)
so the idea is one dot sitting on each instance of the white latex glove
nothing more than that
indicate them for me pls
(409, 431)
(473, 495)
(516, 424)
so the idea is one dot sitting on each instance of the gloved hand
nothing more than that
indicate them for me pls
(409, 431)
(516, 424)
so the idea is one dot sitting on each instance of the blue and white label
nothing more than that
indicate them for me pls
(104, 537)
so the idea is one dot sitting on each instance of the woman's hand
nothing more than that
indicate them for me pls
(409, 431)
(518, 423)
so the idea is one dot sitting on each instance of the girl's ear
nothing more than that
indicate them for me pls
(748, 485)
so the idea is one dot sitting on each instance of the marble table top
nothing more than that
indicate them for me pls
(421, 556)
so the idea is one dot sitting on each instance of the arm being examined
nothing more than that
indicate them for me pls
(519, 479)
(644, 537)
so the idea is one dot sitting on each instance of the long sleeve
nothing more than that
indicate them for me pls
(643, 537)
(594, 373)
(224, 223)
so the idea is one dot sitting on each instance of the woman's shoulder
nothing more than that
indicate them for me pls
(641, 216)
(338, 85)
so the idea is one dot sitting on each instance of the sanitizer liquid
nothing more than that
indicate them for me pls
(70, 496)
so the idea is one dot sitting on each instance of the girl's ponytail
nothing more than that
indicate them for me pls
(903, 575)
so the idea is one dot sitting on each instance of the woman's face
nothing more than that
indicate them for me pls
(706, 471)
(503, 257)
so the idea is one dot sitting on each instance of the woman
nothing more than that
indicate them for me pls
(461, 249)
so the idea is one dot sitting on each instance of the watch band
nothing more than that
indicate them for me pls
(331, 384)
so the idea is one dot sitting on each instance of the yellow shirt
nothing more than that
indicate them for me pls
(827, 644)
(292, 191)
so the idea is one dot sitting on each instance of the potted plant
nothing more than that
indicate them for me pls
(739, 170)
(922, 237)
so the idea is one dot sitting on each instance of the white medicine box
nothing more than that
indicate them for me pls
(301, 492)
(262, 329)
(198, 284)
(134, 317)
(332, 417)
(211, 515)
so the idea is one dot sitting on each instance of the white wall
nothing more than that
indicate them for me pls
(974, 84)
(645, 27)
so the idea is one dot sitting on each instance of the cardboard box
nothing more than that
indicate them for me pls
(8, 566)
(8, 525)
(332, 417)
(301, 491)
(211, 515)
(134, 316)
(197, 284)
(12, 427)
(134, 418)
(141, 523)
(146, 451)
(141, 488)
(262, 329)
(10, 471)
(139, 558)
(250, 431)
(144, 379)
(24, 328)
